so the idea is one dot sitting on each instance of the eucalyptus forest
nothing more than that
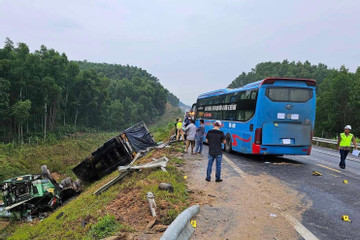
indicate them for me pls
(43, 94)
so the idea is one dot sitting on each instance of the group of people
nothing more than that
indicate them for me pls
(193, 135)
(195, 139)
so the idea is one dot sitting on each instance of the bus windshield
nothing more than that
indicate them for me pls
(285, 94)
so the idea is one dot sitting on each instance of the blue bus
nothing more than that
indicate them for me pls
(272, 116)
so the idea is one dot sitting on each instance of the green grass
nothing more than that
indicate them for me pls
(163, 128)
(105, 227)
(62, 156)
(89, 206)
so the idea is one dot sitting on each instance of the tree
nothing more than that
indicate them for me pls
(20, 112)
(4, 104)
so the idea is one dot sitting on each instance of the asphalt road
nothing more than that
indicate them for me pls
(331, 198)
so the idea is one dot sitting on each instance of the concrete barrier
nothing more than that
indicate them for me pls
(180, 228)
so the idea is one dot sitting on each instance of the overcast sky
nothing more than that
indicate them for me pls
(191, 46)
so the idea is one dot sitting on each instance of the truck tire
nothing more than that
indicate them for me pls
(67, 182)
(78, 185)
(45, 171)
(228, 144)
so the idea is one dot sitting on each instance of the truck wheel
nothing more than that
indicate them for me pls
(67, 182)
(78, 185)
(228, 144)
(45, 171)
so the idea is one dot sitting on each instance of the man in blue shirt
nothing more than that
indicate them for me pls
(215, 138)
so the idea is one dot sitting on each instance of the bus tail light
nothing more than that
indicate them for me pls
(258, 136)
(309, 150)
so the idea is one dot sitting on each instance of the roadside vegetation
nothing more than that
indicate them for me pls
(60, 156)
(121, 210)
(338, 90)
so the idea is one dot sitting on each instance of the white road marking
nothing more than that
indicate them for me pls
(241, 172)
(301, 229)
(332, 169)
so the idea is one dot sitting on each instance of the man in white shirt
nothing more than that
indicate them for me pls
(190, 131)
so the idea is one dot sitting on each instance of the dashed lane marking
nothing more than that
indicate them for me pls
(332, 169)
(301, 229)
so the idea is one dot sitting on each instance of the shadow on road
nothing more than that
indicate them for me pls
(265, 158)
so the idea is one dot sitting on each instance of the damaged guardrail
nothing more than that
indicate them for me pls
(125, 170)
(181, 227)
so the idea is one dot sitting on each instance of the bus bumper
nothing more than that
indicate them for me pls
(284, 150)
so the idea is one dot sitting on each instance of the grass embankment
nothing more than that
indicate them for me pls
(121, 209)
(60, 157)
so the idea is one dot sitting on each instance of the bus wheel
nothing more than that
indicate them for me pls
(228, 145)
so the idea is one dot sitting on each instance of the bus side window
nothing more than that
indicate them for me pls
(253, 95)
(241, 115)
(230, 115)
(221, 99)
(218, 115)
(230, 98)
(211, 101)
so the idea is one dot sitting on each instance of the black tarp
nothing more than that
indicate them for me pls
(139, 136)
(117, 151)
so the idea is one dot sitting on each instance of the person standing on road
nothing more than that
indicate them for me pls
(215, 138)
(190, 131)
(200, 133)
(180, 133)
(344, 143)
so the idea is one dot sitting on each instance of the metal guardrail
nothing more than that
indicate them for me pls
(325, 140)
(180, 228)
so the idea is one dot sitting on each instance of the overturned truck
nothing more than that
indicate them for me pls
(35, 194)
(117, 151)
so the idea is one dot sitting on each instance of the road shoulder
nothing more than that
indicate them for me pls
(243, 206)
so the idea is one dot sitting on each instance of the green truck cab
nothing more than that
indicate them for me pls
(33, 195)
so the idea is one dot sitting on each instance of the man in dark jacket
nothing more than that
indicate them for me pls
(215, 138)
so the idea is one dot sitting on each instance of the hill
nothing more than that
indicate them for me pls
(184, 107)
(337, 92)
(44, 95)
